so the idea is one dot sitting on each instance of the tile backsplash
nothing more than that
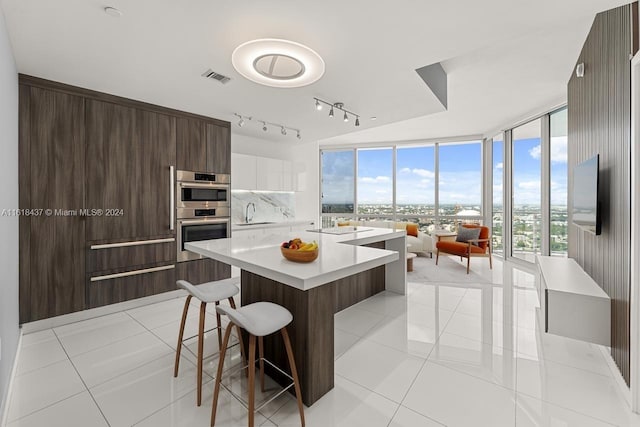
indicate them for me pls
(270, 206)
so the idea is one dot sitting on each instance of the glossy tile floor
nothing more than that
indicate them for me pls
(458, 350)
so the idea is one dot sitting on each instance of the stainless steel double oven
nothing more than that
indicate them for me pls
(203, 209)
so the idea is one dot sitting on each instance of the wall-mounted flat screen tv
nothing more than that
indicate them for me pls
(586, 197)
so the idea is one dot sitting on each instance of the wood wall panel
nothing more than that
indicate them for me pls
(599, 122)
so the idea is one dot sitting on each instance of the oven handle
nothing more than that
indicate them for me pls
(203, 221)
(203, 185)
(172, 201)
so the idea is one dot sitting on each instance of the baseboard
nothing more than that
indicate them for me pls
(4, 405)
(65, 319)
(624, 389)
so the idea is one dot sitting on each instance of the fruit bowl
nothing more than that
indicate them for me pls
(296, 255)
(298, 251)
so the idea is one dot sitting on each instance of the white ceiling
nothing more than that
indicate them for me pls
(504, 58)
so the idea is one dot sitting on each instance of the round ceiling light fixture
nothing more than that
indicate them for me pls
(278, 63)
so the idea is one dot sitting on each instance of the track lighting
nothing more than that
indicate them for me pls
(339, 106)
(265, 125)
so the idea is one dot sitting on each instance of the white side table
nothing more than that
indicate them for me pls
(410, 257)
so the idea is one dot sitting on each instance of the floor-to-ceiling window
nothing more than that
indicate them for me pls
(459, 184)
(375, 183)
(497, 213)
(415, 185)
(338, 190)
(526, 211)
(558, 227)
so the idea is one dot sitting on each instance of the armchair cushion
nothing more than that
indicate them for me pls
(412, 230)
(484, 233)
(458, 248)
(465, 234)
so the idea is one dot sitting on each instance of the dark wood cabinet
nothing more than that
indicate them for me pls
(203, 147)
(191, 146)
(218, 148)
(54, 238)
(129, 154)
(102, 165)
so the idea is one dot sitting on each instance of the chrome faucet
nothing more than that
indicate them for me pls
(247, 218)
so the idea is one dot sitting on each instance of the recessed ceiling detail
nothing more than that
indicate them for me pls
(278, 63)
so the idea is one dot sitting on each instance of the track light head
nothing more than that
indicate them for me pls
(298, 135)
(241, 122)
(346, 118)
(331, 112)
(264, 126)
(318, 105)
(283, 130)
(357, 121)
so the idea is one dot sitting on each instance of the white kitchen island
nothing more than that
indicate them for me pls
(350, 267)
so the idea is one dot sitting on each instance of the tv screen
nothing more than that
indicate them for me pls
(586, 211)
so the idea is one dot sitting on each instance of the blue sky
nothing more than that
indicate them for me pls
(460, 174)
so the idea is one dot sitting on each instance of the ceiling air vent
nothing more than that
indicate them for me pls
(210, 74)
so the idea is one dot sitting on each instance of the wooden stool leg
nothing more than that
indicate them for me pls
(219, 327)
(252, 378)
(216, 391)
(468, 263)
(203, 312)
(261, 355)
(437, 256)
(185, 310)
(242, 352)
(294, 373)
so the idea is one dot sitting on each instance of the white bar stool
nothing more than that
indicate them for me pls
(258, 319)
(210, 292)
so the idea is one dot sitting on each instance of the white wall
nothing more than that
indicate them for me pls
(305, 158)
(9, 330)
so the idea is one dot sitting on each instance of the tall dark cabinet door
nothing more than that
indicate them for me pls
(191, 145)
(56, 140)
(218, 148)
(129, 154)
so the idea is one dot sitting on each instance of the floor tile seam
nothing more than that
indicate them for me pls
(192, 314)
(368, 389)
(64, 335)
(138, 366)
(395, 348)
(474, 377)
(514, 323)
(167, 405)
(482, 342)
(435, 362)
(83, 381)
(563, 364)
(30, 371)
(422, 415)
(566, 408)
(102, 345)
(11, 421)
(518, 396)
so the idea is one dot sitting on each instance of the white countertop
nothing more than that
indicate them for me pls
(280, 224)
(340, 256)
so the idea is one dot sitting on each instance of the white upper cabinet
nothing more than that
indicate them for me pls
(262, 173)
(243, 172)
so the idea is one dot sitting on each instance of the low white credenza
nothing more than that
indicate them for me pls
(573, 304)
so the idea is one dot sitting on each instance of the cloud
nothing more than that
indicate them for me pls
(405, 170)
(376, 180)
(529, 185)
(424, 173)
(558, 150)
(499, 165)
